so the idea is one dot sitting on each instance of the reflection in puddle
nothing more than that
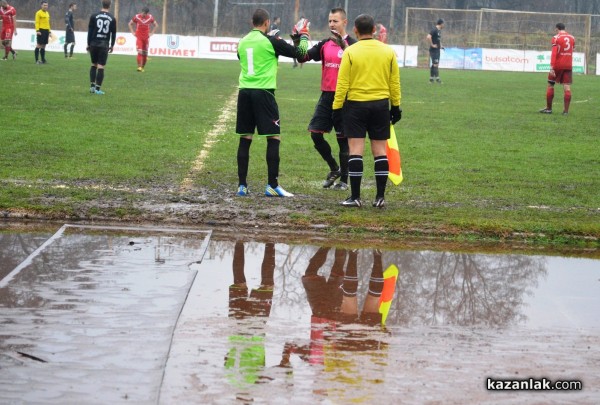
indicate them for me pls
(302, 323)
(128, 316)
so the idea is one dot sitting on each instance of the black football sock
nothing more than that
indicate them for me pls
(43, 54)
(273, 161)
(243, 159)
(344, 153)
(238, 263)
(316, 262)
(99, 78)
(322, 146)
(65, 48)
(37, 54)
(268, 265)
(71, 51)
(93, 71)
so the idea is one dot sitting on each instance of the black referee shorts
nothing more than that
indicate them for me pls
(361, 117)
(42, 39)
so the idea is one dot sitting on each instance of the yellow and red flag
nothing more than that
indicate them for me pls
(393, 154)
(390, 275)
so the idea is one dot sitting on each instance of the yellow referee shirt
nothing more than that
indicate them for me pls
(42, 20)
(368, 72)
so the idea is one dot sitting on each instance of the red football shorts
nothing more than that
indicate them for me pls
(561, 77)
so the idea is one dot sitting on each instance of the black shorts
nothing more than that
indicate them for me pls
(373, 117)
(69, 37)
(257, 109)
(322, 120)
(434, 54)
(42, 39)
(99, 55)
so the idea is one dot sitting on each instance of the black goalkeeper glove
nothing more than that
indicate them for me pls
(395, 114)
(337, 119)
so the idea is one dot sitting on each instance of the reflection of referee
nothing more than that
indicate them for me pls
(42, 32)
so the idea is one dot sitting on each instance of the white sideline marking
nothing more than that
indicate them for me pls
(211, 139)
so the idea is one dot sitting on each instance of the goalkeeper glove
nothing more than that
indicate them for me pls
(395, 114)
(274, 33)
(302, 28)
(337, 38)
(337, 119)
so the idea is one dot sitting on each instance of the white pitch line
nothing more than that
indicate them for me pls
(211, 139)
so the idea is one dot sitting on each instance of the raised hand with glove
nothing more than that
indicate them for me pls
(301, 34)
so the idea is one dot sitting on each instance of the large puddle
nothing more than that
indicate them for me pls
(140, 315)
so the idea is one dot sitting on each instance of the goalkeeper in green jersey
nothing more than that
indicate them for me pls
(257, 109)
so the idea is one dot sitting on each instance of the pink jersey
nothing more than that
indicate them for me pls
(9, 15)
(563, 45)
(331, 58)
(142, 25)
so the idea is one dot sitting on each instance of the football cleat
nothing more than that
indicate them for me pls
(340, 186)
(332, 176)
(140, 69)
(277, 192)
(546, 111)
(379, 202)
(99, 92)
(5, 58)
(242, 191)
(565, 113)
(351, 202)
(92, 89)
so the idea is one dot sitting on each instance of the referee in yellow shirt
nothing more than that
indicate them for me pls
(368, 89)
(42, 32)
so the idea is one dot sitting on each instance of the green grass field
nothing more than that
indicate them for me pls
(479, 161)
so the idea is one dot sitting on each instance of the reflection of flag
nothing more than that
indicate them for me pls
(393, 154)
(390, 275)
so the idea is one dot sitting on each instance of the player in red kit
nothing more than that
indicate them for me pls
(145, 25)
(561, 68)
(9, 17)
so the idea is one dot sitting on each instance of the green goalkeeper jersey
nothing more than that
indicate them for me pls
(258, 61)
(258, 55)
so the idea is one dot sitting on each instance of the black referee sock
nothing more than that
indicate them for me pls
(382, 170)
(43, 54)
(355, 172)
(273, 161)
(376, 280)
(243, 159)
(37, 54)
(322, 146)
(350, 284)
